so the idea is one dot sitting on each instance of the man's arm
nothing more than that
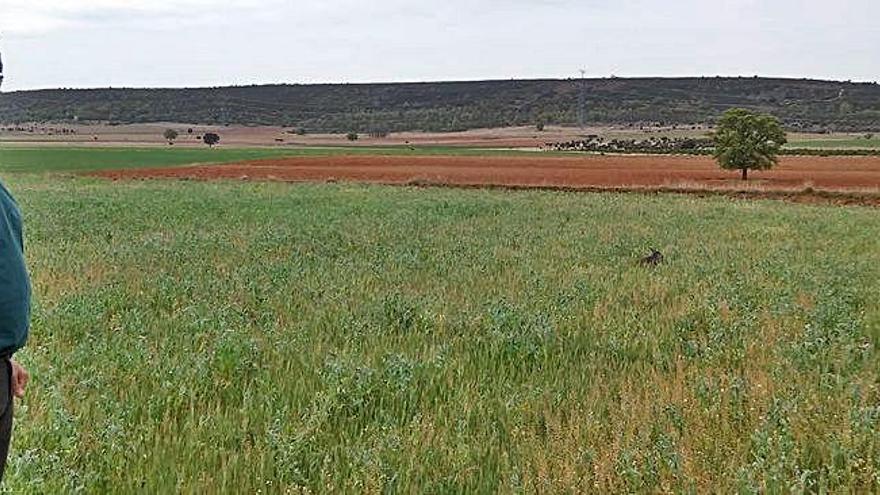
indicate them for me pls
(20, 378)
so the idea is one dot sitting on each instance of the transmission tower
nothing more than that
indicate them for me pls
(582, 100)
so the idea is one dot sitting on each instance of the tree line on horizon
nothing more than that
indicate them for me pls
(805, 105)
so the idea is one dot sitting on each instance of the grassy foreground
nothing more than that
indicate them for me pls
(243, 338)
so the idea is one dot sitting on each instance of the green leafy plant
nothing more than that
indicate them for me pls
(170, 135)
(745, 141)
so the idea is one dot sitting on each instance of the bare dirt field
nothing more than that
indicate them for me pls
(809, 178)
(151, 134)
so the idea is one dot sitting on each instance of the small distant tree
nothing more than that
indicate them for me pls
(189, 131)
(352, 136)
(300, 131)
(540, 126)
(211, 138)
(170, 135)
(746, 140)
(869, 136)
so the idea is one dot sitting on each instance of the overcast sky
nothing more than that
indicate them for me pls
(100, 43)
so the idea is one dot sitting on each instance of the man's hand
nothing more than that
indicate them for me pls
(20, 379)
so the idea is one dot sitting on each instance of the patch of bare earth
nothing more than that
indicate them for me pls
(840, 180)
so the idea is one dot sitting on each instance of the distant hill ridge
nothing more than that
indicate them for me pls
(448, 106)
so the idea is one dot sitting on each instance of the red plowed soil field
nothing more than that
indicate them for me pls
(834, 174)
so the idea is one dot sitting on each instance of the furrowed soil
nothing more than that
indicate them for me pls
(823, 179)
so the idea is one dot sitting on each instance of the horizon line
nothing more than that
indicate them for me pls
(439, 81)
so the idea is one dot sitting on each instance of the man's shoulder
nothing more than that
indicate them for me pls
(7, 200)
(5, 194)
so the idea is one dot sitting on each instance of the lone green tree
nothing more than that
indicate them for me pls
(746, 140)
(170, 135)
(211, 138)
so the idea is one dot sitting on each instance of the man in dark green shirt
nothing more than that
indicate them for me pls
(15, 306)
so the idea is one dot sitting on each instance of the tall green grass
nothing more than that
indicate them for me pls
(244, 338)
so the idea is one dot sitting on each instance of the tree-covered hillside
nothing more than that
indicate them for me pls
(801, 104)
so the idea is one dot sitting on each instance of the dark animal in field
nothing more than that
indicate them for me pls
(653, 259)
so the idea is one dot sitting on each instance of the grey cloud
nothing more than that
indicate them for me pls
(352, 40)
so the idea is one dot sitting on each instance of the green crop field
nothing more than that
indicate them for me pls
(270, 338)
(63, 159)
(83, 159)
(849, 142)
